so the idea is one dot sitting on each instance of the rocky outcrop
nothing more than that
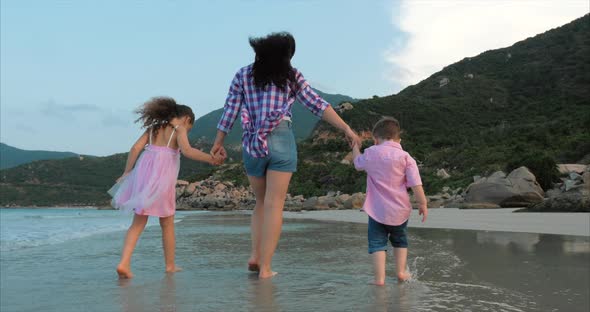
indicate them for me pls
(571, 195)
(518, 189)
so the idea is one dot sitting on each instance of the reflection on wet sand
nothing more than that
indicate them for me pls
(262, 294)
(137, 298)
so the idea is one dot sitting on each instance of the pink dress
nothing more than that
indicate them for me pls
(150, 188)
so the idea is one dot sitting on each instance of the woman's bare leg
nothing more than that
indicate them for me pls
(169, 243)
(133, 233)
(277, 184)
(258, 185)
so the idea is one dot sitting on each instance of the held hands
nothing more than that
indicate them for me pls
(352, 138)
(218, 154)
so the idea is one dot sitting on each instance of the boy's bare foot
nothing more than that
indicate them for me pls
(404, 277)
(266, 274)
(173, 269)
(124, 272)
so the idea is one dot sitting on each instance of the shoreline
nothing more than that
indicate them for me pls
(495, 220)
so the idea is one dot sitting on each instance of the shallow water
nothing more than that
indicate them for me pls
(322, 266)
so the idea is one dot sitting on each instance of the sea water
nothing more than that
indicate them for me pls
(64, 260)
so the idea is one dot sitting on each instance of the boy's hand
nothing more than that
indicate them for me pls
(423, 211)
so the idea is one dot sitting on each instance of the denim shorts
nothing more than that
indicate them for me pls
(380, 233)
(282, 153)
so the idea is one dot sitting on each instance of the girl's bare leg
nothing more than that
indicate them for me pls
(401, 257)
(133, 233)
(259, 188)
(379, 267)
(169, 243)
(277, 184)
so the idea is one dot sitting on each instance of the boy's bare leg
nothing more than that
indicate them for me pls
(133, 233)
(401, 257)
(379, 267)
(169, 243)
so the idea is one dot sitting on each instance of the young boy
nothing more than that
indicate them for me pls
(390, 171)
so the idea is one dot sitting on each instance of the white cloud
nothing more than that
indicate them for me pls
(442, 32)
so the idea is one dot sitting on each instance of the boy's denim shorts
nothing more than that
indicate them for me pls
(282, 153)
(380, 233)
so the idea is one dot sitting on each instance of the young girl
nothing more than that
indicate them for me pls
(148, 187)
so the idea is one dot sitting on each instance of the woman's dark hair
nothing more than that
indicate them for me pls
(183, 110)
(273, 59)
(157, 113)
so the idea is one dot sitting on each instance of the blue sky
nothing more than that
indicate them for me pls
(71, 72)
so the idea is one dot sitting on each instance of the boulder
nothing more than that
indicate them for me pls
(519, 188)
(220, 187)
(575, 176)
(443, 174)
(478, 206)
(586, 178)
(355, 201)
(573, 201)
(181, 182)
(341, 199)
(326, 202)
(191, 188)
(310, 203)
(567, 168)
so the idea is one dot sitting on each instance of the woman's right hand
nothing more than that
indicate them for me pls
(218, 151)
(352, 138)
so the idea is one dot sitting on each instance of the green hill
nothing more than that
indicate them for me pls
(304, 121)
(79, 180)
(12, 156)
(528, 104)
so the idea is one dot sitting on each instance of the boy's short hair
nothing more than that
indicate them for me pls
(387, 129)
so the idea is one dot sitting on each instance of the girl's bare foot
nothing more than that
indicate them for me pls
(266, 274)
(404, 277)
(124, 271)
(173, 269)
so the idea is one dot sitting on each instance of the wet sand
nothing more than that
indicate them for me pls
(501, 220)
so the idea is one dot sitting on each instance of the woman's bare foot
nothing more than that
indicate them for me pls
(266, 274)
(173, 269)
(124, 271)
(404, 277)
(253, 265)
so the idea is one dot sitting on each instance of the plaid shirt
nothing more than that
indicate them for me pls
(262, 109)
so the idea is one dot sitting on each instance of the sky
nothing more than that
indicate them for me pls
(72, 72)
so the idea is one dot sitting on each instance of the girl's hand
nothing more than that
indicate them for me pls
(216, 160)
(218, 151)
(122, 177)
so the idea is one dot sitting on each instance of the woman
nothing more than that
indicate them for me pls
(263, 93)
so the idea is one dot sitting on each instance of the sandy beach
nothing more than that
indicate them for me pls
(503, 220)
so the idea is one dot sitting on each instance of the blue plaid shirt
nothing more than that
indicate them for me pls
(262, 109)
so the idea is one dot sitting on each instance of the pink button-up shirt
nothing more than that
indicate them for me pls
(390, 171)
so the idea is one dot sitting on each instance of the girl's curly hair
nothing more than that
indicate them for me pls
(157, 113)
